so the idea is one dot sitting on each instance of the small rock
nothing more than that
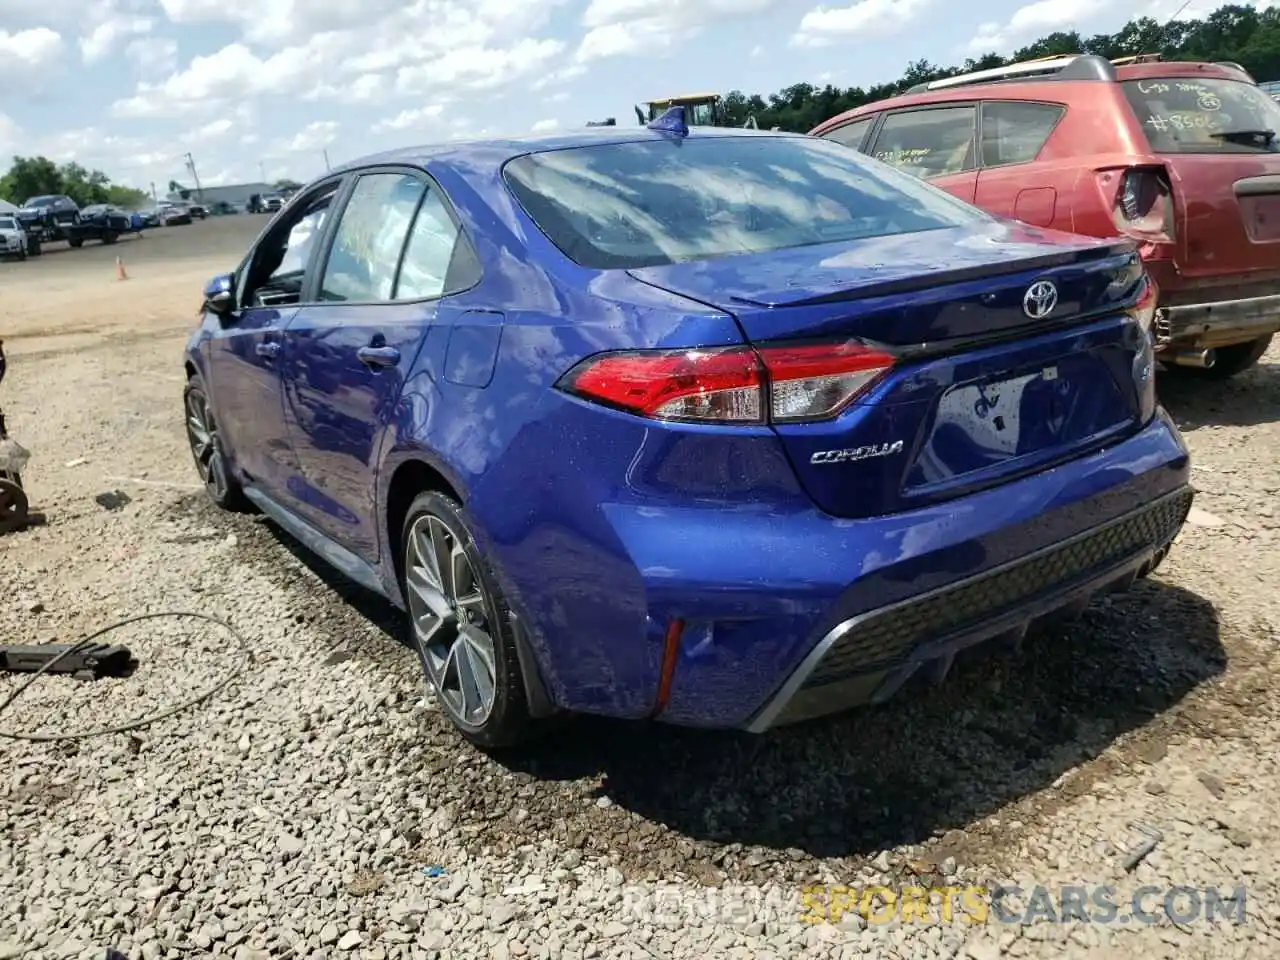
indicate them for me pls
(982, 949)
(1213, 785)
(1203, 518)
(1155, 788)
(1237, 836)
(350, 940)
(290, 845)
(604, 802)
(113, 500)
(328, 934)
(881, 862)
(613, 929)
(501, 914)
(36, 607)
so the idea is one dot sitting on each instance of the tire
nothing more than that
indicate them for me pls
(76, 242)
(449, 656)
(207, 452)
(34, 249)
(1229, 361)
(13, 506)
(22, 254)
(110, 237)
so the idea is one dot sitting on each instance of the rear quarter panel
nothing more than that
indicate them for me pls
(533, 466)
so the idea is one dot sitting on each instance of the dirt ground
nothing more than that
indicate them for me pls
(319, 805)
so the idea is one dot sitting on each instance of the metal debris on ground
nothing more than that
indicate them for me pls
(82, 662)
(1142, 850)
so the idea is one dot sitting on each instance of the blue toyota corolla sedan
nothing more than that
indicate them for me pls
(722, 428)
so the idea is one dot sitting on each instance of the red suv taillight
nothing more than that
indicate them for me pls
(1142, 202)
(734, 385)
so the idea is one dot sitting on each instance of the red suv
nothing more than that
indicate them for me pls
(1182, 157)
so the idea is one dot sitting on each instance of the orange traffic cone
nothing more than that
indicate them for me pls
(120, 274)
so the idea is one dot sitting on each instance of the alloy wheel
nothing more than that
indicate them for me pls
(452, 621)
(203, 438)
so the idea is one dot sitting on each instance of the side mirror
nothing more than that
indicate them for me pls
(219, 294)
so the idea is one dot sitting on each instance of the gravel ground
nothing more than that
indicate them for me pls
(318, 806)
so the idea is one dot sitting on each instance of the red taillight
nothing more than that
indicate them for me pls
(735, 385)
(817, 381)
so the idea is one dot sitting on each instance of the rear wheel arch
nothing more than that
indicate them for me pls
(411, 478)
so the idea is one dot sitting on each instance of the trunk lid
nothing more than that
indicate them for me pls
(1218, 140)
(983, 393)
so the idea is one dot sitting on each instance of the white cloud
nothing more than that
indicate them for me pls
(1032, 22)
(152, 56)
(314, 51)
(545, 126)
(104, 38)
(620, 27)
(10, 136)
(476, 68)
(28, 50)
(410, 119)
(757, 51)
(864, 19)
(314, 136)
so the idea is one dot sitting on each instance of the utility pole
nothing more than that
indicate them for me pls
(191, 165)
(326, 160)
(154, 199)
(262, 171)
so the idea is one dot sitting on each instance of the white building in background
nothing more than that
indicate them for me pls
(235, 194)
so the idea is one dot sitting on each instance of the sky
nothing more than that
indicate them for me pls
(264, 89)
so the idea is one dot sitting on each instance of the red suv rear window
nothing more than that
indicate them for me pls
(1188, 115)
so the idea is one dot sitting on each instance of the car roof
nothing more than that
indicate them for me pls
(1034, 88)
(495, 152)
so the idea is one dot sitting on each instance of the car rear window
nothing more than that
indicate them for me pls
(631, 205)
(1188, 115)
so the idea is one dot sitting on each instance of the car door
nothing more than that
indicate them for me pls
(1012, 181)
(390, 260)
(244, 354)
(935, 143)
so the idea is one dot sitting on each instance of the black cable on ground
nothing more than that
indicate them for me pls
(245, 659)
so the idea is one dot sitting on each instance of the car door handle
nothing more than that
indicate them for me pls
(268, 350)
(378, 356)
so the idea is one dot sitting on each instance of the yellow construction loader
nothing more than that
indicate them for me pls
(700, 110)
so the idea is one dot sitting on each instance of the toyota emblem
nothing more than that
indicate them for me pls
(1040, 299)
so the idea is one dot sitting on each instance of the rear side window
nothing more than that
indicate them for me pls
(1014, 131)
(1204, 116)
(640, 204)
(366, 247)
(928, 143)
(425, 270)
(851, 134)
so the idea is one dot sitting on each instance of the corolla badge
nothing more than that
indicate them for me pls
(857, 453)
(1040, 299)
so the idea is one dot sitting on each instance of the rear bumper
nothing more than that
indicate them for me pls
(775, 595)
(868, 657)
(1219, 323)
(1215, 312)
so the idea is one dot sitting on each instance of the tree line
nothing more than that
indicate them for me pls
(1239, 34)
(39, 176)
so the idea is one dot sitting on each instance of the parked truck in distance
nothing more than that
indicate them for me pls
(56, 217)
